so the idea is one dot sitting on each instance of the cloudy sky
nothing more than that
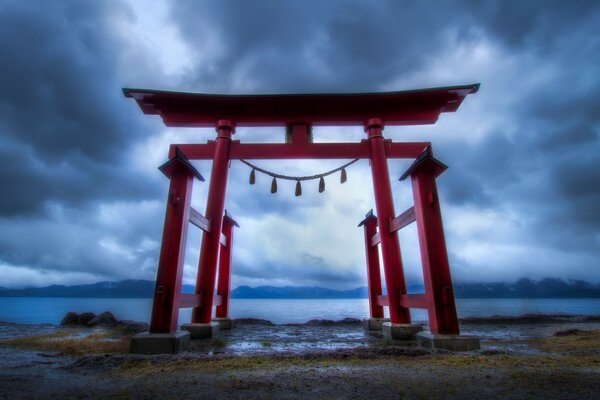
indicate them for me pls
(82, 201)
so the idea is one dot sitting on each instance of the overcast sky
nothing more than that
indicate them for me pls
(82, 201)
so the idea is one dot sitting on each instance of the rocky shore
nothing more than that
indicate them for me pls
(552, 357)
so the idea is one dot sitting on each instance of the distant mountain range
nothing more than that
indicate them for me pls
(523, 288)
(297, 292)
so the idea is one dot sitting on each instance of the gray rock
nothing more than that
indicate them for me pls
(132, 326)
(71, 318)
(103, 319)
(86, 317)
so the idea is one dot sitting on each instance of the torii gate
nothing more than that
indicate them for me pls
(298, 113)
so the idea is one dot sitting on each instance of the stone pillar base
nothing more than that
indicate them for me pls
(374, 324)
(448, 342)
(202, 331)
(400, 331)
(159, 343)
(224, 323)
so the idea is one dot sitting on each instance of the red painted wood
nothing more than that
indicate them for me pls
(199, 220)
(215, 205)
(373, 269)
(402, 220)
(434, 258)
(415, 301)
(404, 149)
(189, 300)
(383, 301)
(375, 239)
(273, 151)
(396, 108)
(258, 151)
(300, 112)
(407, 301)
(165, 307)
(390, 247)
(195, 151)
(300, 133)
(224, 279)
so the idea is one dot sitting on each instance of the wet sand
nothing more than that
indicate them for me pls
(519, 359)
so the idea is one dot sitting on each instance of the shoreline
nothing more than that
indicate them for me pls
(543, 356)
(36, 310)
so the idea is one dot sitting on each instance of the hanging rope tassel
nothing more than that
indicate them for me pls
(298, 179)
(321, 185)
(274, 186)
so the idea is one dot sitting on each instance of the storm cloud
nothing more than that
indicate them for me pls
(82, 200)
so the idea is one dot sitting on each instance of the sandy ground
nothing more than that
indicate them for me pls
(519, 359)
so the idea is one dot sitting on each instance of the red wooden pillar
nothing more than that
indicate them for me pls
(165, 308)
(434, 258)
(215, 205)
(225, 266)
(390, 247)
(373, 272)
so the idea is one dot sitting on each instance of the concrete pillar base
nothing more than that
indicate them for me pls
(159, 343)
(374, 324)
(224, 323)
(202, 331)
(400, 331)
(448, 342)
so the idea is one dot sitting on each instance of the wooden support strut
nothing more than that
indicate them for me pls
(167, 295)
(402, 220)
(373, 270)
(199, 220)
(215, 207)
(375, 239)
(224, 276)
(187, 300)
(390, 246)
(203, 223)
(439, 297)
(407, 300)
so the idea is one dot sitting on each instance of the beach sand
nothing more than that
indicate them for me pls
(521, 358)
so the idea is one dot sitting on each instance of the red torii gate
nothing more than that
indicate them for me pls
(298, 113)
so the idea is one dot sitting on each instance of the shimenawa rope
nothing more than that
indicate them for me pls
(298, 179)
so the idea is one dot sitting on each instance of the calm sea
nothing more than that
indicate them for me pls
(51, 309)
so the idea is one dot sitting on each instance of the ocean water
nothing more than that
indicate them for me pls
(33, 310)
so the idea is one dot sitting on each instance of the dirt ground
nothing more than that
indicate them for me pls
(519, 359)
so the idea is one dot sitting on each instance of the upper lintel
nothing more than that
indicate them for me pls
(411, 107)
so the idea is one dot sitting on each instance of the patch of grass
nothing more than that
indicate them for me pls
(257, 362)
(578, 341)
(65, 342)
(218, 342)
(578, 350)
(512, 361)
(474, 361)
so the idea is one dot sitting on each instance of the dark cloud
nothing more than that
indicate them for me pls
(536, 25)
(77, 181)
(310, 271)
(65, 131)
(74, 201)
(314, 46)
